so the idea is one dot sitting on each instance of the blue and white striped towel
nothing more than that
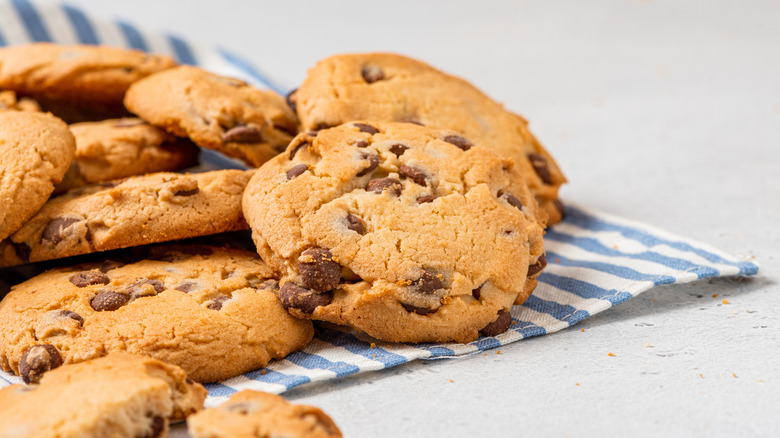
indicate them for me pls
(595, 260)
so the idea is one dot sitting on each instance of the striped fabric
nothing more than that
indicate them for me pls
(595, 260)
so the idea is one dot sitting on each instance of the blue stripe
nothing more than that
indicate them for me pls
(315, 362)
(133, 37)
(3, 41)
(583, 288)
(354, 345)
(528, 329)
(251, 70)
(182, 51)
(618, 271)
(561, 312)
(594, 246)
(289, 381)
(218, 389)
(435, 350)
(32, 21)
(584, 220)
(82, 25)
(486, 343)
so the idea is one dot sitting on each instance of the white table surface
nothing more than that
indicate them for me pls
(662, 111)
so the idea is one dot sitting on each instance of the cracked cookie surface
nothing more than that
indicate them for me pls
(121, 395)
(216, 112)
(394, 88)
(36, 150)
(255, 414)
(119, 148)
(136, 211)
(407, 233)
(210, 310)
(76, 82)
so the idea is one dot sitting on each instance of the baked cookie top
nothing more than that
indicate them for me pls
(75, 73)
(208, 309)
(408, 233)
(119, 395)
(216, 112)
(255, 414)
(136, 211)
(393, 88)
(119, 148)
(36, 150)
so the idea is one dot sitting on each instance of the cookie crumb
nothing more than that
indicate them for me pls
(576, 384)
(611, 354)
(373, 345)
(734, 375)
(452, 381)
(714, 295)
(725, 301)
(498, 352)
(655, 300)
(701, 376)
(485, 354)
(557, 260)
(583, 330)
(262, 372)
(615, 246)
(374, 355)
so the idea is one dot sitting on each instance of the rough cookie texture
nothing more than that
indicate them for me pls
(145, 209)
(216, 112)
(35, 151)
(9, 101)
(121, 395)
(397, 230)
(394, 88)
(254, 414)
(210, 310)
(76, 82)
(119, 148)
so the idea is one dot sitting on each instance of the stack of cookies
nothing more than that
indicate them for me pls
(382, 194)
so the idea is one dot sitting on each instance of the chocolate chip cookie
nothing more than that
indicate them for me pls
(136, 211)
(216, 112)
(408, 233)
(249, 414)
(210, 310)
(35, 151)
(121, 395)
(393, 88)
(119, 148)
(76, 82)
(9, 101)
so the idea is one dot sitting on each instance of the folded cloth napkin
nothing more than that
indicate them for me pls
(595, 260)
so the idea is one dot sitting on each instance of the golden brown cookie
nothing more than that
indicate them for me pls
(119, 148)
(136, 211)
(76, 82)
(254, 414)
(210, 310)
(394, 88)
(121, 395)
(9, 101)
(405, 232)
(216, 112)
(35, 151)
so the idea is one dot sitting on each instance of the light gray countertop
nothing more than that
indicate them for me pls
(667, 112)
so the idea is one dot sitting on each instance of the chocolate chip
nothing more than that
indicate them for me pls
(294, 149)
(288, 129)
(216, 303)
(476, 293)
(88, 278)
(72, 315)
(296, 170)
(187, 192)
(312, 133)
(319, 271)
(53, 233)
(537, 267)
(293, 296)
(361, 144)
(243, 134)
(322, 125)
(156, 427)
(425, 199)
(37, 360)
(271, 285)
(109, 300)
(22, 250)
(500, 325)
(187, 286)
(362, 127)
(109, 265)
(559, 206)
(540, 166)
(356, 224)
(418, 310)
(414, 173)
(138, 289)
(427, 284)
(290, 101)
(513, 201)
(372, 73)
(379, 185)
(373, 162)
(398, 149)
(461, 142)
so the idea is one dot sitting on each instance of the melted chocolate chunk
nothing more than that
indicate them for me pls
(425, 199)
(361, 144)
(187, 286)
(477, 293)
(398, 149)
(216, 303)
(418, 310)
(109, 265)
(55, 230)
(243, 134)
(379, 185)
(427, 284)
(540, 166)
(372, 73)
(72, 315)
(88, 278)
(373, 163)
(513, 201)
(301, 144)
(500, 325)
(293, 296)
(296, 171)
(356, 224)
(461, 142)
(319, 272)
(363, 127)
(414, 173)
(537, 267)
(109, 300)
(37, 360)
(187, 192)
(289, 98)
(137, 289)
